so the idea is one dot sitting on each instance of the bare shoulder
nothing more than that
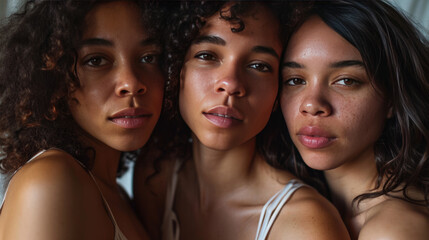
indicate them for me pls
(45, 196)
(150, 183)
(308, 215)
(396, 219)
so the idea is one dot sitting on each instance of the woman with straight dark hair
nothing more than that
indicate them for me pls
(355, 100)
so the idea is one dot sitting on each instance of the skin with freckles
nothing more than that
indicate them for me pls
(228, 88)
(333, 113)
(116, 106)
(334, 116)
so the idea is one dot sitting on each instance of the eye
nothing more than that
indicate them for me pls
(206, 56)
(96, 61)
(347, 82)
(262, 67)
(150, 58)
(295, 81)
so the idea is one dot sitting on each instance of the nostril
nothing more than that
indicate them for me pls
(221, 89)
(123, 92)
(140, 91)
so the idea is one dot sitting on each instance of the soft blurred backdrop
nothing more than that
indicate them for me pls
(417, 10)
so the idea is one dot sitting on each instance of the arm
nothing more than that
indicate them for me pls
(308, 215)
(44, 202)
(396, 220)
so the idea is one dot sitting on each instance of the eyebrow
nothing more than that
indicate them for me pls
(263, 49)
(105, 42)
(209, 39)
(340, 64)
(347, 63)
(95, 41)
(219, 41)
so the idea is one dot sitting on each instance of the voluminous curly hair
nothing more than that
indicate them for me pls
(396, 59)
(37, 74)
(189, 18)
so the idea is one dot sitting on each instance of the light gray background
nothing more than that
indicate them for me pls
(418, 10)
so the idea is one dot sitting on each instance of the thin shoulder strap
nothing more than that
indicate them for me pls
(272, 208)
(13, 174)
(118, 233)
(170, 224)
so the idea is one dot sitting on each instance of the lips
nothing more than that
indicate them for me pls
(315, 137)
(223, 116)
(131, 117)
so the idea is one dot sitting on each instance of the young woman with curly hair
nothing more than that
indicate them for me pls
(80, 83)
(356, 103)
(224, 60)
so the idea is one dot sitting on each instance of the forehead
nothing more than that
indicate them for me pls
(118, 16)
(316, 38)
(259, 20)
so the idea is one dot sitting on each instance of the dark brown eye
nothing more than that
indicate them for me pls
(294, 81)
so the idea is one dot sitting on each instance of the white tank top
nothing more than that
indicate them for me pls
(171, 228)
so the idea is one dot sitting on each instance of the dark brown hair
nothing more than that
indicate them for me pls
(37, 58)
(396, 58)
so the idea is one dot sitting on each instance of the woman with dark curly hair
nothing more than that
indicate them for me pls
(80, 83)
(356, 104)
(224, 59)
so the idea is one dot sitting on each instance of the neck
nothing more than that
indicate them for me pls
(219, 172)
(349, 181)
(105, 161)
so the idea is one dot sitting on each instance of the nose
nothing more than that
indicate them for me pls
(315, 102)
(231, 84)
(129, 83)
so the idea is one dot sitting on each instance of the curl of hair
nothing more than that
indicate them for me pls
(396, 58)
(37, 58)
(189, 18)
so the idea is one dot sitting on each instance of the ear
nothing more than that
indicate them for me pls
(181, 77)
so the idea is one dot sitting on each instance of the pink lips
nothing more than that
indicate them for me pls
(314, 137)
(223, 116)
(131, 117)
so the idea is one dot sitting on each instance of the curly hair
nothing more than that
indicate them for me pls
(396, 59)
(189, 18)
(37, 75)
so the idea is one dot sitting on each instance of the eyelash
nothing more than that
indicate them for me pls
(302, 82)
(257, 66)
(353, 82)
(90, 61)
(294, 80)
(205, 56)
(154, 58)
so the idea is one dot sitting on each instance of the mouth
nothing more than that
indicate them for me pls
(223, 116)
(131, 118)
(315, 138)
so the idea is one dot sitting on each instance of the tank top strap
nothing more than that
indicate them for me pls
(13, 174)
(272, 208)
(118, 233)
(170, 224)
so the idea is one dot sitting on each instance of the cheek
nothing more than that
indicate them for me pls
(363, 116)
(289, 108)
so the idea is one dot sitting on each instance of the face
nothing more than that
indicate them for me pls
(332, 111)
(120, 97)
(229, 81)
